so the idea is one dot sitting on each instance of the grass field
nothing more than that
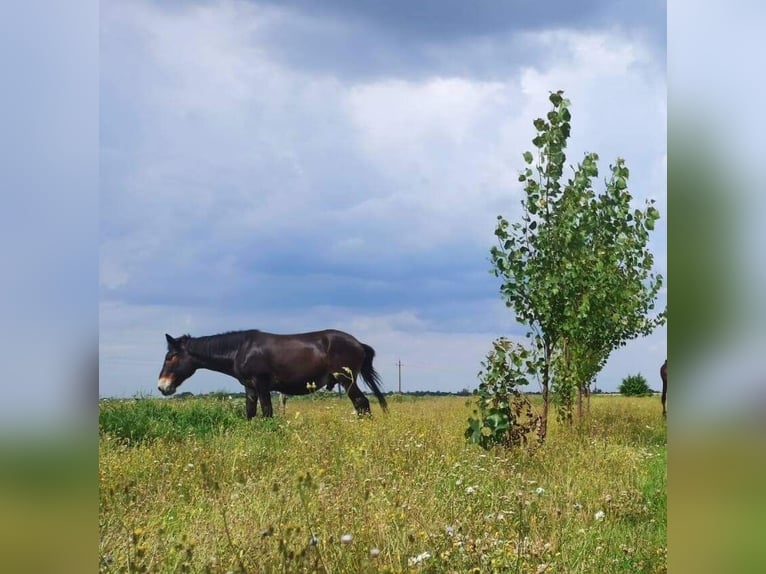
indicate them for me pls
(191, 486)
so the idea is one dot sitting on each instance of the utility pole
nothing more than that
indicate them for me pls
(399, 364)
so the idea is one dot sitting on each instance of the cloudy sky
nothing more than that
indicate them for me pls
(292, 166)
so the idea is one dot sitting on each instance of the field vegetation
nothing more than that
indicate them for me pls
(192, 486)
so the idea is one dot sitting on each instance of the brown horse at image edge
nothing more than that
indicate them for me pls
(264, 362)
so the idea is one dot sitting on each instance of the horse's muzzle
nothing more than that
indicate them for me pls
(166, 386)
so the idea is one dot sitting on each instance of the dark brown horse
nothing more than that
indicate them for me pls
(264, 362)
(664, 375)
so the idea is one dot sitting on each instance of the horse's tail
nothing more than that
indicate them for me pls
(664, 375)
(371, 377)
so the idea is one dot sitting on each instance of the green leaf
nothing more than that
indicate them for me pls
(528, 156)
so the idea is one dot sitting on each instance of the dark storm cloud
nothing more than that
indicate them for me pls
(474, 39)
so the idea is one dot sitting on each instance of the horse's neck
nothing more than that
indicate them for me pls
(220, 360)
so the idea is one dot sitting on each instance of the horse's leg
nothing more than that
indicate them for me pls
(264, 394)
(251, 402)
(361, 404)
(283, 400)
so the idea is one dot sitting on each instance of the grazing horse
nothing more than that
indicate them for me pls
(264, 362)
(664, 375)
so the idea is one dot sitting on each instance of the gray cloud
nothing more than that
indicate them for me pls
(373, 39)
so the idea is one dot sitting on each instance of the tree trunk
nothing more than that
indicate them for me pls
(546, 395)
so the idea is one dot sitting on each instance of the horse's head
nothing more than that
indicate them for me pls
(178, 366)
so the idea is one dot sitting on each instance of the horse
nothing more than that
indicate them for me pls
(664, 376)
(263, 362)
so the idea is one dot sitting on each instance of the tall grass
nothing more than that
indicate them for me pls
(199, 488)
(144, 419)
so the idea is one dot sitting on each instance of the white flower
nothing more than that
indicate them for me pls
(419, 559)
(599, 515)
(374, 552)
(346, 539)
(450, 530)
(471, 489)
(458, 482)
(190, 465)
(539, 490)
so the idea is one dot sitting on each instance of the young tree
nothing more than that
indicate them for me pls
(575, 269)
(504, 415)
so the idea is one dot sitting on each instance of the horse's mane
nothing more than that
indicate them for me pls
(211, 345)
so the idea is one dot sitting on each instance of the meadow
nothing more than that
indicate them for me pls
(192, 486)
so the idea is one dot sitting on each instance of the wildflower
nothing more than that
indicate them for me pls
(450, 530)
(599, 515)
(346, 539)
(541, 568)
(458, 482)
(539, 490)
(190, 465)
(577, 506)
(471, 489)
(374, 552)
(419, 559)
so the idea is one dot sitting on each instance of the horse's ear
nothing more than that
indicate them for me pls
(171, 341)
